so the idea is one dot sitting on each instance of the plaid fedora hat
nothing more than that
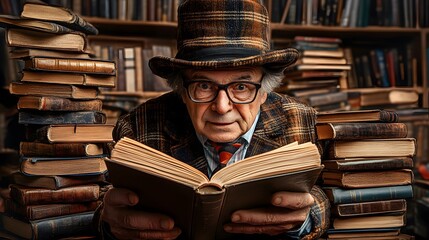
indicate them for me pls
(219, 34)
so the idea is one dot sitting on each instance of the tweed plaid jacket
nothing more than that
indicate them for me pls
(163, 123)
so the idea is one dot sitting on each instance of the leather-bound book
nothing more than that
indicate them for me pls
(353, 131)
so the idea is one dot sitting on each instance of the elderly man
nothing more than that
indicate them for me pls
(222, 78)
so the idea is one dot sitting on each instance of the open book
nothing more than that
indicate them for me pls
(201, 206)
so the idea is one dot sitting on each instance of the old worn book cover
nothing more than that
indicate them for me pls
(353, 131)
(49, 228)
(62, 165)
(30, 196)
(201, 206)
(69, 133)
(61, 15)
(38, 149)
(368, 208)
(40, 211)
(339, 195)
(46, 103)
(53, 90)
(359, 164)
(56, 182)
(391, 147)
(18, 52)
(63, 117)
(9, 21)
(374, 115)
(73, 41)
(365, 179)
(71, 65)
(83, 79)
(375, 221)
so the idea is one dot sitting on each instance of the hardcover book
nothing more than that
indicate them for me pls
(375, 115)
(62, 165)
(54, 117)
(376, 221)
(60, 15)
(49, 228)
(46, 103)
(73, 42)
(56, 182)
(391, 147)
(353, 131)
(9, 21)
(368, 208)
(38, 149)
(40, 211)
(338, 195)
(69, 133)
(373, 233)
(199, 206)
(30, 196)
(365, 179)
(32, 52)
(360, 164)
(67, 78)
(72, 65)
(53, 90)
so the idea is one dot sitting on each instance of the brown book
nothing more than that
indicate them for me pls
(72, 65)
(296, 75)
(375, 221)
(64, 16)
(382, 233)
(357, 164)
(38, 166)
(199, 206)
(67, 78)
(73, 42)
(353, 131)
(375, 115)
(368, 208)
(40, 211)
(46, 103)
(323, 53)
(388, 97)
(32, 52)
(83, 133)
(31, 196)
(393, 147)
(9, 21)
(365, 179)
(321, 60)
(53, 90)
(323, 67)
(35, 149)
(56, 182)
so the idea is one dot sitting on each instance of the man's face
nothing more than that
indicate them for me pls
(222, 120)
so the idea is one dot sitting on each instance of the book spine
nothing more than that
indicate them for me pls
(338, 195)
(30, 196)
(36, 149)
(65, 104)
(373, 164)
(63, 226)
(388, 116)
(369, 130)
(354, 209)
(34, 212)
(71, 65)
(45, 118)
(206, 213)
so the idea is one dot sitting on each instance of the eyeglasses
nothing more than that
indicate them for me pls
(202, 91)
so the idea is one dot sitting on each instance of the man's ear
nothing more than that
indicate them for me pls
(263, 97)
(184, 96)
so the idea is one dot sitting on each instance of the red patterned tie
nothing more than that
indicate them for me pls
(225, 151)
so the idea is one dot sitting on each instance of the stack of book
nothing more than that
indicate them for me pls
(61, 169)
(368, 172)
(319, 74)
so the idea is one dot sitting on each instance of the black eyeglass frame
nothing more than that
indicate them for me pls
(221, 87)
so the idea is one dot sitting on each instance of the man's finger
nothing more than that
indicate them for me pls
(292, 200)
(120, 197)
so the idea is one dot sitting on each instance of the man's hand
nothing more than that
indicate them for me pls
(289, 211)
(128, 223)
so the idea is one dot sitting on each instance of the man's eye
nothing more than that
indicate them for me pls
(204, 86)
(240, 87)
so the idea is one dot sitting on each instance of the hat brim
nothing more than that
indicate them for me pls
(274, 61)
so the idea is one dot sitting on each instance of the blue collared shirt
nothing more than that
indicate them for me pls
(212, 162)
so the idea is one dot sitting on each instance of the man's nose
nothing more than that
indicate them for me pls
(222, 104)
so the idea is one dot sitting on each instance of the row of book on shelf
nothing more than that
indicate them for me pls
(57, 178)
(327, 74)
(346, 13)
